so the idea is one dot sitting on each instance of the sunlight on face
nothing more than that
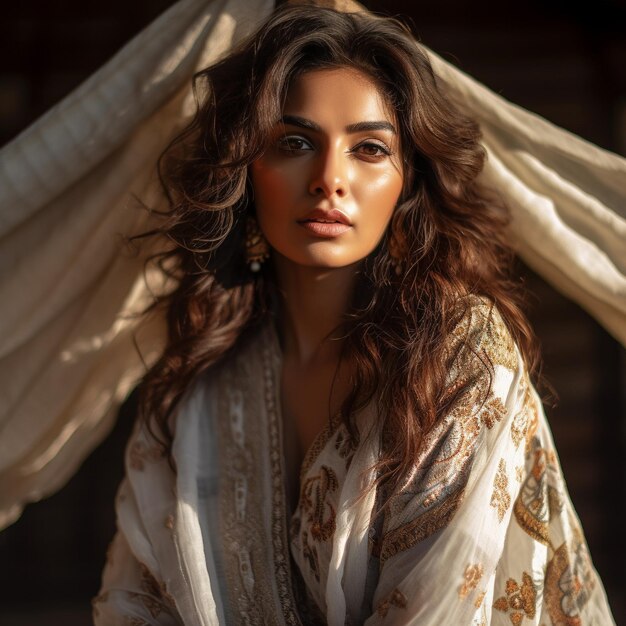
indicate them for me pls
(326, 188)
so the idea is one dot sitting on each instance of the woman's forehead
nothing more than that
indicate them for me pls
(345, 95)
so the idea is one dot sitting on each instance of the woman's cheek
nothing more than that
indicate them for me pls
(272, 185)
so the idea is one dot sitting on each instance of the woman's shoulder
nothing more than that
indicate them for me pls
(480, 337)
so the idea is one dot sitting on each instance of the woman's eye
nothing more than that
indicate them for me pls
(294, 144)
(372, 149)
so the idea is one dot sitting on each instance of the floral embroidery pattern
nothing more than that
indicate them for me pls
(319, 514)
(395, 598)
(500, 498)
(525, 422)
(309, 553)
(319, 443)
(569, 582)
(520, 601)
(472, 576)
(423, 526)
(345, 445)
(497, 335)
(492, 412)
(314, 503)
(539, 498)
(433, 494)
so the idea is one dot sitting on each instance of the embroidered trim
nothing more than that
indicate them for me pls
(279, 506)
(251, 493)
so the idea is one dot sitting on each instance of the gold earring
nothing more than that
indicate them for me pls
(257, 248)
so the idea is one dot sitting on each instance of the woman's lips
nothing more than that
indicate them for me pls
(325, 229)
(326, 222)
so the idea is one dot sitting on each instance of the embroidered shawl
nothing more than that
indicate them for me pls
(482, 532)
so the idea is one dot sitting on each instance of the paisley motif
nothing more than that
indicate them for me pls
(540, 497)
(570, 579)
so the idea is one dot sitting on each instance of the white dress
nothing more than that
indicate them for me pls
(483, 532)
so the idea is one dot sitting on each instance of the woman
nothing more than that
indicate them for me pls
(342, 427)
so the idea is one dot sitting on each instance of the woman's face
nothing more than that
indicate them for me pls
(326, 188)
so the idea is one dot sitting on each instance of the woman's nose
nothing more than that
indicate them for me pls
(330, 174)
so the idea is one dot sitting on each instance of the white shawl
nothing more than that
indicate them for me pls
(481, 532)
(67, 187)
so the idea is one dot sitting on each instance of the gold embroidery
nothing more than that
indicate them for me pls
(395, 598)
(492, 412)
(319, 443)
(519, 601)
(483, 328)
(539, 497)
(319, 513)
(497, 339)
(418, 529)
(314, 503)
(154, 596)
(531, 427)
(281, 548)
(154, 606)
(309, 552)
(472, 576)
(149, 583)
(479, 599)
(345, 445)
(251, 483)
(500, 499)
(432, 495)
(519, 473)
(526, 418)
(569, 582)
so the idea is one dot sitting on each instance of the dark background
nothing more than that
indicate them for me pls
(564, 61)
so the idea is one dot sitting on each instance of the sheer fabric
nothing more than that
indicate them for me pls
(482, 533)
(71, 188)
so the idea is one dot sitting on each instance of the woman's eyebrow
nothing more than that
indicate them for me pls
(358, 127)
(365, 126)
(302, 122)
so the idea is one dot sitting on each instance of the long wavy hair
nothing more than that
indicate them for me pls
(449, 230)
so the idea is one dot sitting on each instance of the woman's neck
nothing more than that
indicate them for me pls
(313, 304)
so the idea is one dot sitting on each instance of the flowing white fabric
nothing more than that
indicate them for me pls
(567, 198)
(67, 198)
(482, 533)
(68, 282)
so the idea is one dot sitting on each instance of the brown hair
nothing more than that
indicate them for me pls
(450, 232)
